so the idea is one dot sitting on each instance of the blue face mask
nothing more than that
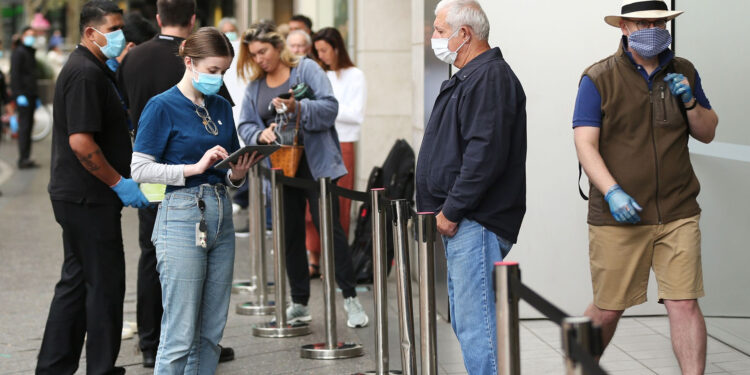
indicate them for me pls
(115, 43)
(208, 84)
(232, 36)
(29, 40)
(649, 43)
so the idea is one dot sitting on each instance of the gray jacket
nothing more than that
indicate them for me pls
(317, 120)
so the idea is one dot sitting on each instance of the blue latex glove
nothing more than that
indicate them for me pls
(13, 124)
(622, 206)
(130, 194)
(22, 101)
(678, 87)
(38, 103)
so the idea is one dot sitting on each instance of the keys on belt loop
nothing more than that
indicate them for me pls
(202, 227)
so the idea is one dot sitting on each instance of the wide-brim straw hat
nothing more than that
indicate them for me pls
(642, 9)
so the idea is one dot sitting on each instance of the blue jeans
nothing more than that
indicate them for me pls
(195, 282)
(471, 255)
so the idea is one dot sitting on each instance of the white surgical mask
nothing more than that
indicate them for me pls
(441, 50)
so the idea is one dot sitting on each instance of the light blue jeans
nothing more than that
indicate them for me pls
(471, 255)
(195, 282)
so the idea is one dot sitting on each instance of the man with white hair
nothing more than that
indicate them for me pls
(471, 172)
(299, 42)
(634, 114)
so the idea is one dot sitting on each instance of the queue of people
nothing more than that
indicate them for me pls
(303, 89)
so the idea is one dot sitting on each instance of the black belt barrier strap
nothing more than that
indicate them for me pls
(299, 183)
(349, 194)
(547, 309)
(590, 367)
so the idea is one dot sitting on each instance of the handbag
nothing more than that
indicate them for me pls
(288, 156)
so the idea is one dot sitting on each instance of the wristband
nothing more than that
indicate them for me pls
(118, 181)
(695, 103)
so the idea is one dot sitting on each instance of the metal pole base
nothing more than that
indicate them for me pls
(322, 351)
(391, 372)
(253, 308)
(271, 330)
(242, 286)
(246, 287)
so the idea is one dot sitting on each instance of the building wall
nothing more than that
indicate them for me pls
(383, 52)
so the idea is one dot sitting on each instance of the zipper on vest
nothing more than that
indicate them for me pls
(656, 157)
(663, 105)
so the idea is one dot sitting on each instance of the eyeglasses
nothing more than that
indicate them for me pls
(208, 123)
(646, 24)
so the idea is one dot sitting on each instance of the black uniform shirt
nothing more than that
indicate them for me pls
(23, 72)
(150, 69)
(86, 101)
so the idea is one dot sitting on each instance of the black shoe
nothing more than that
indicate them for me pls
(227, 354)
(149, 359)
(27, 164)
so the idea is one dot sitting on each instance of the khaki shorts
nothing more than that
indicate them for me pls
(621, 257)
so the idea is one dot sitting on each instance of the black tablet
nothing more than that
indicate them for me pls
(265, 150)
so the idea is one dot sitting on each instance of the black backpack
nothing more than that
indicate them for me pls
(397, 177)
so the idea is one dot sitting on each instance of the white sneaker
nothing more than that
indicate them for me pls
(296, 312)
(356, 316)
(127, 331)
(236, 208)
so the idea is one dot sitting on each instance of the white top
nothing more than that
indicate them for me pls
(350, 89)
(236, 87)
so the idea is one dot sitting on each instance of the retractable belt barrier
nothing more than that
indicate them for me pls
(256, 226)
(402, 212)
(580, 340)
(279, 327)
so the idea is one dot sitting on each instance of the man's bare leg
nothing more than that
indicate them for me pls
(688, 331)
(607, 319)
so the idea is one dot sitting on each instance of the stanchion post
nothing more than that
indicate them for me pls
(506, 309)
(426, 228)
(331, 348)
(280, 327)
(257, 224)
(575, 329)
(401, 212)
(248, 285)
(379, 284)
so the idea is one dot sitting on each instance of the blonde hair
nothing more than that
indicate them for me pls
(247, 68)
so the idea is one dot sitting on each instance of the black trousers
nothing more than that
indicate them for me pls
(294, 233)
(89, 296)
(148, 308)
(25, 125)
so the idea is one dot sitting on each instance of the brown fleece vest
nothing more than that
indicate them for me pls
(644, 141)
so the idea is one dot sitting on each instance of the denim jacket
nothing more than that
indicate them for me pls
(317, 120)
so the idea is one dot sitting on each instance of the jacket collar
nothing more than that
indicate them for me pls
(89, 55)
(169, 38)
(477, 62)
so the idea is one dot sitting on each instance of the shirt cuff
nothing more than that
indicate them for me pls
(230, 183)
(451, 212)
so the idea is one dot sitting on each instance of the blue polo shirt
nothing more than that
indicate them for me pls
(588, 108)
(172, 132)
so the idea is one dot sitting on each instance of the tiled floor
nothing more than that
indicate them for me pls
(640, 346)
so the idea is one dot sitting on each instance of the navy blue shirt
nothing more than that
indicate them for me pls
(472, 161)
(588, 108)
(171, 131)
